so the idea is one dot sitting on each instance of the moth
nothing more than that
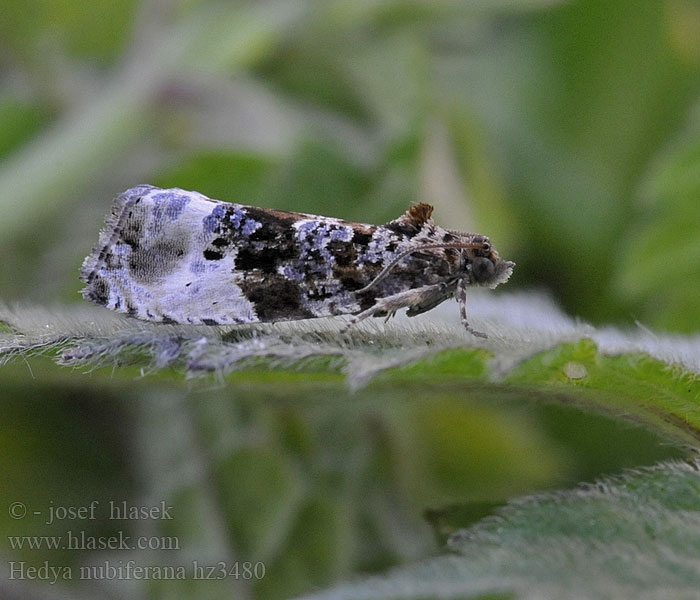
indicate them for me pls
(173, 256)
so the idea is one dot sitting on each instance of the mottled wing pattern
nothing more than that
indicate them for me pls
(177, 256)
(149, 262)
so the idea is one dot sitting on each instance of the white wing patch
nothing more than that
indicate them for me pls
(149, 261)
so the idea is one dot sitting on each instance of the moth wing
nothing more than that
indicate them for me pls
(150, 263)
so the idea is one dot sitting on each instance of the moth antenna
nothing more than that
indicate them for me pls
(386, 270)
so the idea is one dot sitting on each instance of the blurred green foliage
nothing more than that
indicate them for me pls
(291, 469)
(565, 130)
(617, 538)
(534, 122)
(659, 268)
(94, 32)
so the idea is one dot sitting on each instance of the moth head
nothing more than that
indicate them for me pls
(484, 265)
(492, 271)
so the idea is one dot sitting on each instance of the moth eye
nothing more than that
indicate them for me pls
(482, 269)
(486, 246)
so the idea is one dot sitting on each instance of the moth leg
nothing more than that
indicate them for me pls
(439, 295)
(461, 296)
(388, 306)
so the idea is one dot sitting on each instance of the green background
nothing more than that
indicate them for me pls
(566, 131)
